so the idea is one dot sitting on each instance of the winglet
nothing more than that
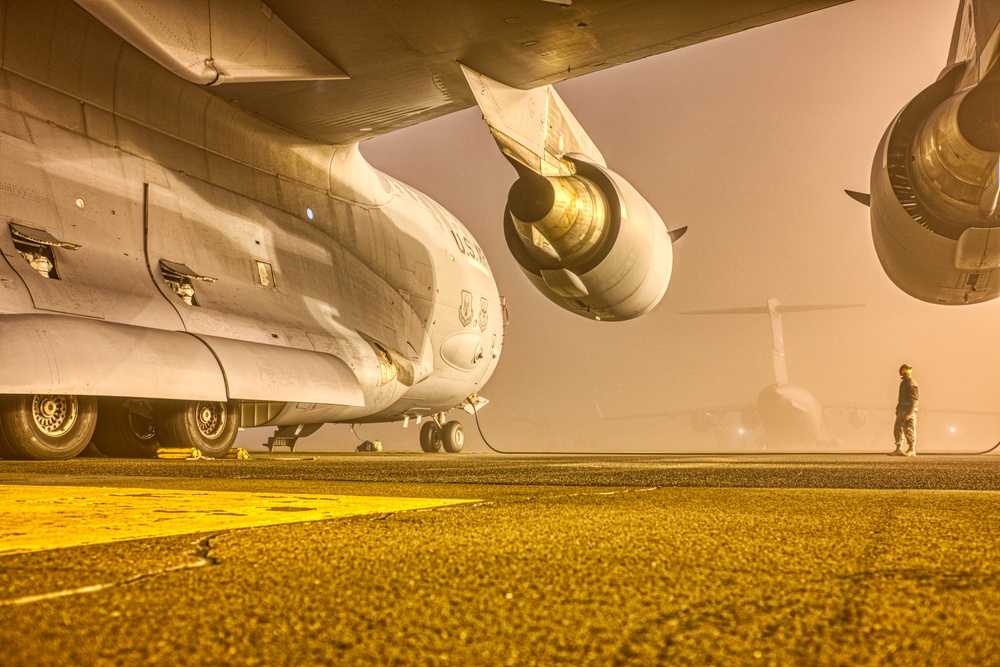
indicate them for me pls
(860, 197)
(675, 234)
(533, 127)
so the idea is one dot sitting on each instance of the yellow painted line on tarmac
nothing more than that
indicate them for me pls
(39, 518)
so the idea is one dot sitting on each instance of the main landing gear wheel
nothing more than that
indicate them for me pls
(125, 433)
(210, 427)
(430, 437)
(5, 451)
(433, 437)
(46, 426)
(453, 437)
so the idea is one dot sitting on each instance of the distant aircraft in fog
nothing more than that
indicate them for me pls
(789, 414)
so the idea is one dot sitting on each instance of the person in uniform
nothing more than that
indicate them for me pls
(906, 413)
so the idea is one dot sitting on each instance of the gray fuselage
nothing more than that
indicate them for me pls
(219, 257)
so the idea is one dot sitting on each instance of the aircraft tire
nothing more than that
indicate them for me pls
(210, 427)
(430, 437)
(46, 427)
(5, 451)
(453, 437)
(122, 433)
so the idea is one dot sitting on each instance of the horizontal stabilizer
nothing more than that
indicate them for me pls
(774, 309)
(860, 197)
(752, 310)
(764, 310)
(827, 306)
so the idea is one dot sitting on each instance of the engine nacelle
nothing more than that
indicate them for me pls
(934, 193)
(589, 241)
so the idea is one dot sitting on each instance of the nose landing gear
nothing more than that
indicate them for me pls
(430, 437)
(437, 433)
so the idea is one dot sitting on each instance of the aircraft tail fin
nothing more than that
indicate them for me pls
(534, 128)
(775, 309)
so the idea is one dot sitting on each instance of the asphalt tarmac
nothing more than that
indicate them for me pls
(393, 559)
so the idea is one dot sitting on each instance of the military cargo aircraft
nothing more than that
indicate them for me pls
(784, 414)
(193, 243)
(789, 414)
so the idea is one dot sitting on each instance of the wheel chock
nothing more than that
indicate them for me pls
(237, 453)
(182, 453)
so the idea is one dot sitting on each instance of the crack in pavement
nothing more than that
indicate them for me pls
(202, 553)
(203, 547)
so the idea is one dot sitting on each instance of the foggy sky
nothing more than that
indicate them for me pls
(749, 140)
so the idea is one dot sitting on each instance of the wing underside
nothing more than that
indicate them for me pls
(339, 71)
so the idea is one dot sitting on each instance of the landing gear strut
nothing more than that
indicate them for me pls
(125, 429)
(438, 432)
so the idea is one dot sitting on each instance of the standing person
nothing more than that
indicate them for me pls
(906, 413)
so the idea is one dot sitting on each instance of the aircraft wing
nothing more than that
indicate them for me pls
(339, 71)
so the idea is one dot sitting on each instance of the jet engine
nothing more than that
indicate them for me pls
(934, 195)
(582, 234)
(588, 241)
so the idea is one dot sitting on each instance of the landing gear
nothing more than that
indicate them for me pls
(437, 433)
(453, 437)
(46, 426)
(208, 426)
(430, 437)
(125, 429)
